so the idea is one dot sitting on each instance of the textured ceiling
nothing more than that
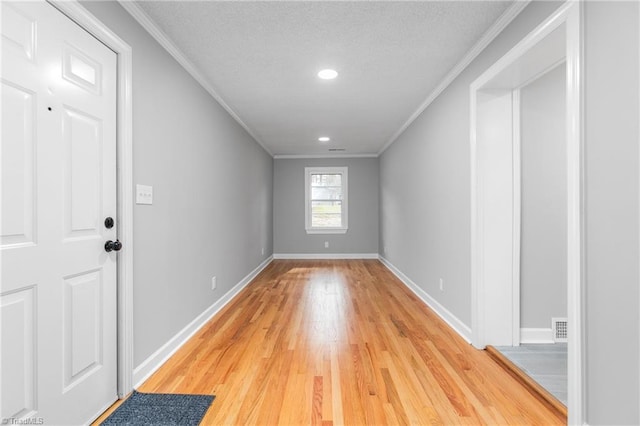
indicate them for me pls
(262, 58)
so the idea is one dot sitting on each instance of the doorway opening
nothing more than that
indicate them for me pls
(496, 198)
(542, 285)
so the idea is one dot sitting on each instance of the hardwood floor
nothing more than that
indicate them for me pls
(341, 342)
(535, 388)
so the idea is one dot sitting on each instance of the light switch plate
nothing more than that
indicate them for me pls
(144, 194)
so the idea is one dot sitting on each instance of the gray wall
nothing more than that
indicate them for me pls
(212, 192)
(612, 188)
(543, 255)
(425, 199)
(425, 183)
(289, 231)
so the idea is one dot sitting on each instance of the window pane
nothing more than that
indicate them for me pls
(326, 187)
(326, 193)
(326, 180)
(326, 214)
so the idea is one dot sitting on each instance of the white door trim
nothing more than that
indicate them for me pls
(517, 213)
(124, 146)
(576, 226)
(570, 15)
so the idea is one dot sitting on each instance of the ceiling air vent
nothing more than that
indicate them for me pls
(559, 329)
(336, 149)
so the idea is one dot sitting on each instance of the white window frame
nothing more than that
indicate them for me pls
(308, 171)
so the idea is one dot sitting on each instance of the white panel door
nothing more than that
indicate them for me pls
(58, 184)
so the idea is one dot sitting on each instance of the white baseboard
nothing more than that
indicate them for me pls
(159, 357)
(325, 256)
(454, 322)
(536, 335)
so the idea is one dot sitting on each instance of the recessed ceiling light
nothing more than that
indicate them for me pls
(324, 139)
(328, 74)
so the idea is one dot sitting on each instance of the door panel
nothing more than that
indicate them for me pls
(19, 32)
(80, 69)
(18, 149)
(18, 353)
(83, 173)
(83, 326)
(58, 285)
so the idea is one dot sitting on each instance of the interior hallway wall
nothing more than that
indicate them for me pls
(543, 255)
(212, 192)
(425, 183)
(612, 137)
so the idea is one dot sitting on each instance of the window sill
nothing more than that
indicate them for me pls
(327, 231)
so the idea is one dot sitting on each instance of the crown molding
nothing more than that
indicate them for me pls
(502, 22)
(307, 156)
(161, 37)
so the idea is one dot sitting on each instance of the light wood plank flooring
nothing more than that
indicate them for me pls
(341, 342)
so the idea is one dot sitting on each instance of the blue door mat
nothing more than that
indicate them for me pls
(155, 409)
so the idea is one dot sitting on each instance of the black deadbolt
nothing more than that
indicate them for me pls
(112, 246)
(108, 223)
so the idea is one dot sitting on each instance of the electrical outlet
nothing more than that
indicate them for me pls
(263, 251)
(441, 284)
(214, 283)
(326, 244)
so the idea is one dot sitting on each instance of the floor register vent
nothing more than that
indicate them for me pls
(559, 328)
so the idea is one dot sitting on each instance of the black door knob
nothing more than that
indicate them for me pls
(112, 246)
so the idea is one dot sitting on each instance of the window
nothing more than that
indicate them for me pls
(326, 200)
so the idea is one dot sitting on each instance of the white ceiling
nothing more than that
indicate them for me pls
(261, 59)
